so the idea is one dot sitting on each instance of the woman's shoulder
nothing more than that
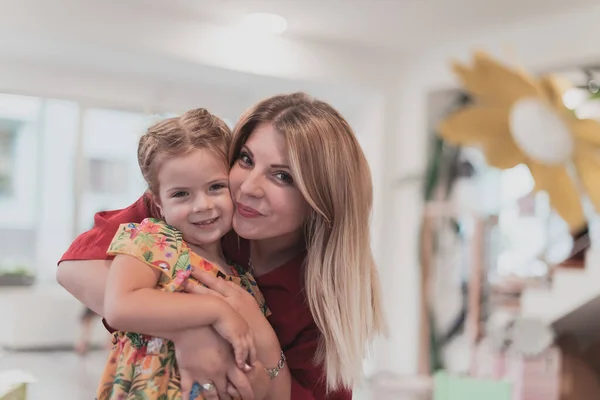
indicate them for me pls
(92, 245)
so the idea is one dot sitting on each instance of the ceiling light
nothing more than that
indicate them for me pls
(264, 23)
(573, 98)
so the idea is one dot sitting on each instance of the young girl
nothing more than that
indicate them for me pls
(184, 161)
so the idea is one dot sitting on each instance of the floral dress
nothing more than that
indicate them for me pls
(144, 367)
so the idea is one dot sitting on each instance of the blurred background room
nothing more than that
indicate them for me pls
(478, 121)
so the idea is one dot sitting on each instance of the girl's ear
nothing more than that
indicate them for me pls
(156, 200)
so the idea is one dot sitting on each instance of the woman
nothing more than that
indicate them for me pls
(303, 195)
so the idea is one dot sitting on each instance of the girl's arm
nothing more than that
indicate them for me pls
(133, 304)
(86, 281)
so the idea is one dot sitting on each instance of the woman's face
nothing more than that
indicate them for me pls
(267, 202)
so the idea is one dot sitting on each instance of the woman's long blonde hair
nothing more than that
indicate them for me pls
(332, 173)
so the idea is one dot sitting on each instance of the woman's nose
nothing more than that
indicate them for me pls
(252, 185)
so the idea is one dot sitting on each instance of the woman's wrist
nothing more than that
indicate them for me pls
(267, 344)
(271, 354)
(273, 369)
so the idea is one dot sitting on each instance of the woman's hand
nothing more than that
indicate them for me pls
(241, 301)
(203, 356)
(267, 343)
(261, 384)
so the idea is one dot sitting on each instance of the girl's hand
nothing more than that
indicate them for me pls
(234, 328)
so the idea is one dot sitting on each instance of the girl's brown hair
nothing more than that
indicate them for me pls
(195, 129)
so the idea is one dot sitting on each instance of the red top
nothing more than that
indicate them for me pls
(282, 288)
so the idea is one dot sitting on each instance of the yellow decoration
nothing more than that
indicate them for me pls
(518, 119)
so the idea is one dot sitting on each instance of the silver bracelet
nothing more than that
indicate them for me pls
(273, 372)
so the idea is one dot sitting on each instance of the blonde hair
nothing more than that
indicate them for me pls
(332, 173)
(195, 129)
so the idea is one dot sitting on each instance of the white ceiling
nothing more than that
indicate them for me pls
(173, 37)
(396, 26)
(399, 25)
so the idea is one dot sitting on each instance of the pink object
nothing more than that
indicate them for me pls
(532, 378)
(535, 378)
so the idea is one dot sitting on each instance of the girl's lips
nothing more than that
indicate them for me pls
(207, 223)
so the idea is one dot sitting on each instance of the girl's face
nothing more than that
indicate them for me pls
(267, 202)
(194, 196)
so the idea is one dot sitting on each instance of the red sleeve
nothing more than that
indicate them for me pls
(93, 244)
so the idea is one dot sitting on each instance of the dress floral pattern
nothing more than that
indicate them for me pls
(141, 366)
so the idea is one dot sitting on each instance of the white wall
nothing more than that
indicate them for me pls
(542, 45)
(17, 211)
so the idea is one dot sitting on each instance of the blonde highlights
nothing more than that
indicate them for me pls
(195, 129)
(341, 280)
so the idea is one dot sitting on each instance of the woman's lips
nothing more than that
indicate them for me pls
(247, 212)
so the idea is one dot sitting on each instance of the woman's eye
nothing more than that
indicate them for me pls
(284, 177)
(244, 158)
(179, 194)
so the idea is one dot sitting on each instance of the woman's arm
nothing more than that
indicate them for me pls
(86, 281)
(300, 345)
(204, 356)
(83, 268)
(267, 344)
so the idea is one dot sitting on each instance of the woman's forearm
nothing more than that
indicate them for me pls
(86, 281)
(281, 385)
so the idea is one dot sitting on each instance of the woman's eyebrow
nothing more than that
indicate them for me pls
(246, 148)
(280, 166)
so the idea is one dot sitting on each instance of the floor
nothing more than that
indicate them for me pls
(61, 375)
(65, 375)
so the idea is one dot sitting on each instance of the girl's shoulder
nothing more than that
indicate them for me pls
(152, 241)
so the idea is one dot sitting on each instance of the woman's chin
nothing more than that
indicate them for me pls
(246, 230)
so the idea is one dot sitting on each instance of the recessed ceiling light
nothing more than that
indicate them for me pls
(264, 23)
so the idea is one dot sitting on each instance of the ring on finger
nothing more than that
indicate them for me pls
(198, 389)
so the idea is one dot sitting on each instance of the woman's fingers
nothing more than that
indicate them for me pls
(190, 286)
(241, 383)
(232, 391)
(186, 385)
(222, 389)
(217, 284)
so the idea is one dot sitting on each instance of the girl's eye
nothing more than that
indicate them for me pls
(217, 186)
(284, 177)
(179, 194)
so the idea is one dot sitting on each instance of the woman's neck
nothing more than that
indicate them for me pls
(268, 254)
